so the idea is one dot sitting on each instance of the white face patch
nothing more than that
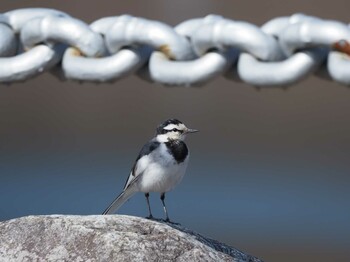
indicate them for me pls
(172, 126)
(170, 134)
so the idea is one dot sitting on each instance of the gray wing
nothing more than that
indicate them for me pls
(130, 189)
(137, 168)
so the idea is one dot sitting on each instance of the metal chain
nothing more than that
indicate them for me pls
(281, 52)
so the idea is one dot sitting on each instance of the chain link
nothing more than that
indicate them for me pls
(283, 51)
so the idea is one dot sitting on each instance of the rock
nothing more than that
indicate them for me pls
(107, 238)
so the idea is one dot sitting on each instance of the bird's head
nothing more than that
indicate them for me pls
(173, 129)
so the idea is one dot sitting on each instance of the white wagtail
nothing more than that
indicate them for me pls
(159, 167)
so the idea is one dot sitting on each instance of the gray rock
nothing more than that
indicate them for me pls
(107, 238)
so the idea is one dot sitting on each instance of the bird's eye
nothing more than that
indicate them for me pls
(174, 130)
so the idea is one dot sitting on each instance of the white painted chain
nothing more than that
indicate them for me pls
(283, 51)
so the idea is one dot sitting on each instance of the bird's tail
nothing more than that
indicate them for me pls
(119, 201)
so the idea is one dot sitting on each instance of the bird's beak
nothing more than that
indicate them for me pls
(191, 130)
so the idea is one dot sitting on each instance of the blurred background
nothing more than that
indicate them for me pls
(269, 171)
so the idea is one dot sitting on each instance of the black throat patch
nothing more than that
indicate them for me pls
(178, 149)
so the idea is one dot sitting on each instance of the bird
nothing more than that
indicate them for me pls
(159, 167)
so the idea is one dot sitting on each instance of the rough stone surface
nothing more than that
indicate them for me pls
(107, 238)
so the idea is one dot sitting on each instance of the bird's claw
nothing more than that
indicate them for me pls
(170, 222)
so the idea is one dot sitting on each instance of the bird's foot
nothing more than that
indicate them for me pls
(167, 220)
(150, 217)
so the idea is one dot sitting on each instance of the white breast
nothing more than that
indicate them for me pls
(159, 171)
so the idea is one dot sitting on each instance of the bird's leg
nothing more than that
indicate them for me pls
(162, 197)
(149, 206)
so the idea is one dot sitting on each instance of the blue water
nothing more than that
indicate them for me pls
(232, 201)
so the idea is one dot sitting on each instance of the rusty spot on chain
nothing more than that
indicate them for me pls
(167, 51)
(342, 46)
(76, 52)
